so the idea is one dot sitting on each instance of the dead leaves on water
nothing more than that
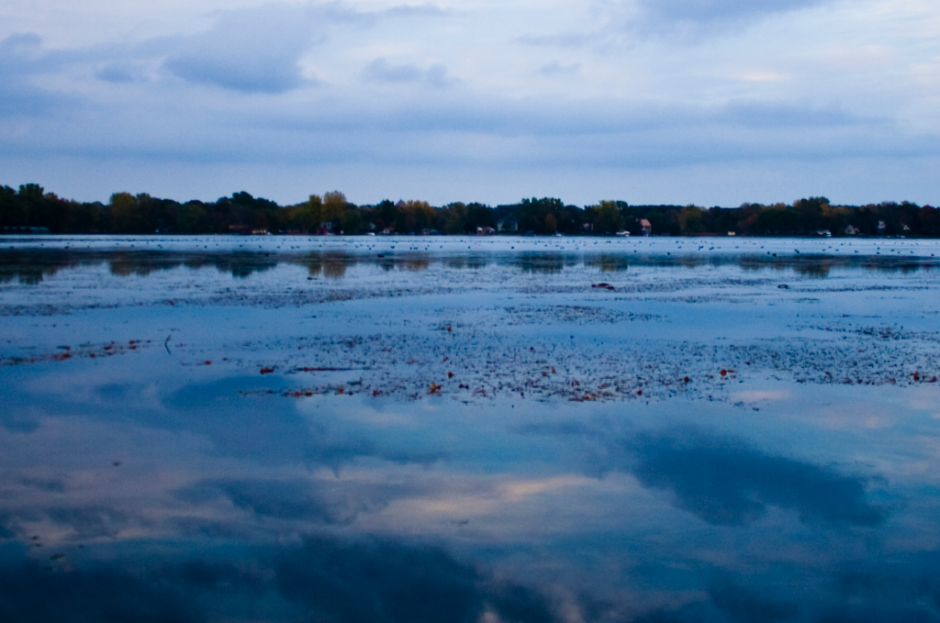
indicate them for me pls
(82, 351)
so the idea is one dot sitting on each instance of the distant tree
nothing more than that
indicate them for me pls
(664, 221)
(778, 220)
(191, 218)
(690, 220)
(384, 215)
(747, 215)
(334, 207)
(928, 219)
(533, 213)
(571, 220)
(32, 193)
(607, 218)
(244, 210)
(352, 222)
(808, 215)
(45, 209)
(13, 211)
(125, 215)
(414, 216)
(480, 215)
(308, 215)
(85, 217)
(551, 223)
(32, 206)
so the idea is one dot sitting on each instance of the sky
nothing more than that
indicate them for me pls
(711, 102)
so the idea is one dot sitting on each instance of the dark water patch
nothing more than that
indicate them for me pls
(725, 481)
(321, 579)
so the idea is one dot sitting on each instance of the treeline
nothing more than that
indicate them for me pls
(30, 208)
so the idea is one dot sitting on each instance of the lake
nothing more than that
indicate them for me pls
(427, 429)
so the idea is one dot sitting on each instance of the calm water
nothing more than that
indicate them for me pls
(498, 430)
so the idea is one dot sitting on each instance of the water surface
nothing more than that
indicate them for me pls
(451, 429)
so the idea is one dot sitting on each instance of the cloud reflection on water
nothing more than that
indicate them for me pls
(724, 480)
(318, 578)
(154, 486)
(311, 500)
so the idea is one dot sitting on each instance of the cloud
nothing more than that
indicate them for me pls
(520, 603)
(20, 420)
(21, 55)
(720, 10)
(251, 50)
(639, 116)
(303, 499)
(258, 50)
(231, 423)
(562, 40)
(47, 486)
(380, 70)
(119, 73)
(770, 114)
(19, 50)
(321, 578)
(216, 411)
(723, 480)
(378, 582)
(29, 593)
(415, 10)
(25, 60)
(626, 22)
(557, 69)
(219, 412)
(748, 605)
(89, 522)
(702, 18)
(7, 526)
(77, 522)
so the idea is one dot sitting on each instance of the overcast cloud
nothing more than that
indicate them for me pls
(709, 17)
(248, 50)
(704, 101)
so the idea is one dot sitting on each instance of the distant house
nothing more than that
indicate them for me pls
(851, 230)
(646, 227)
(510, 224)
